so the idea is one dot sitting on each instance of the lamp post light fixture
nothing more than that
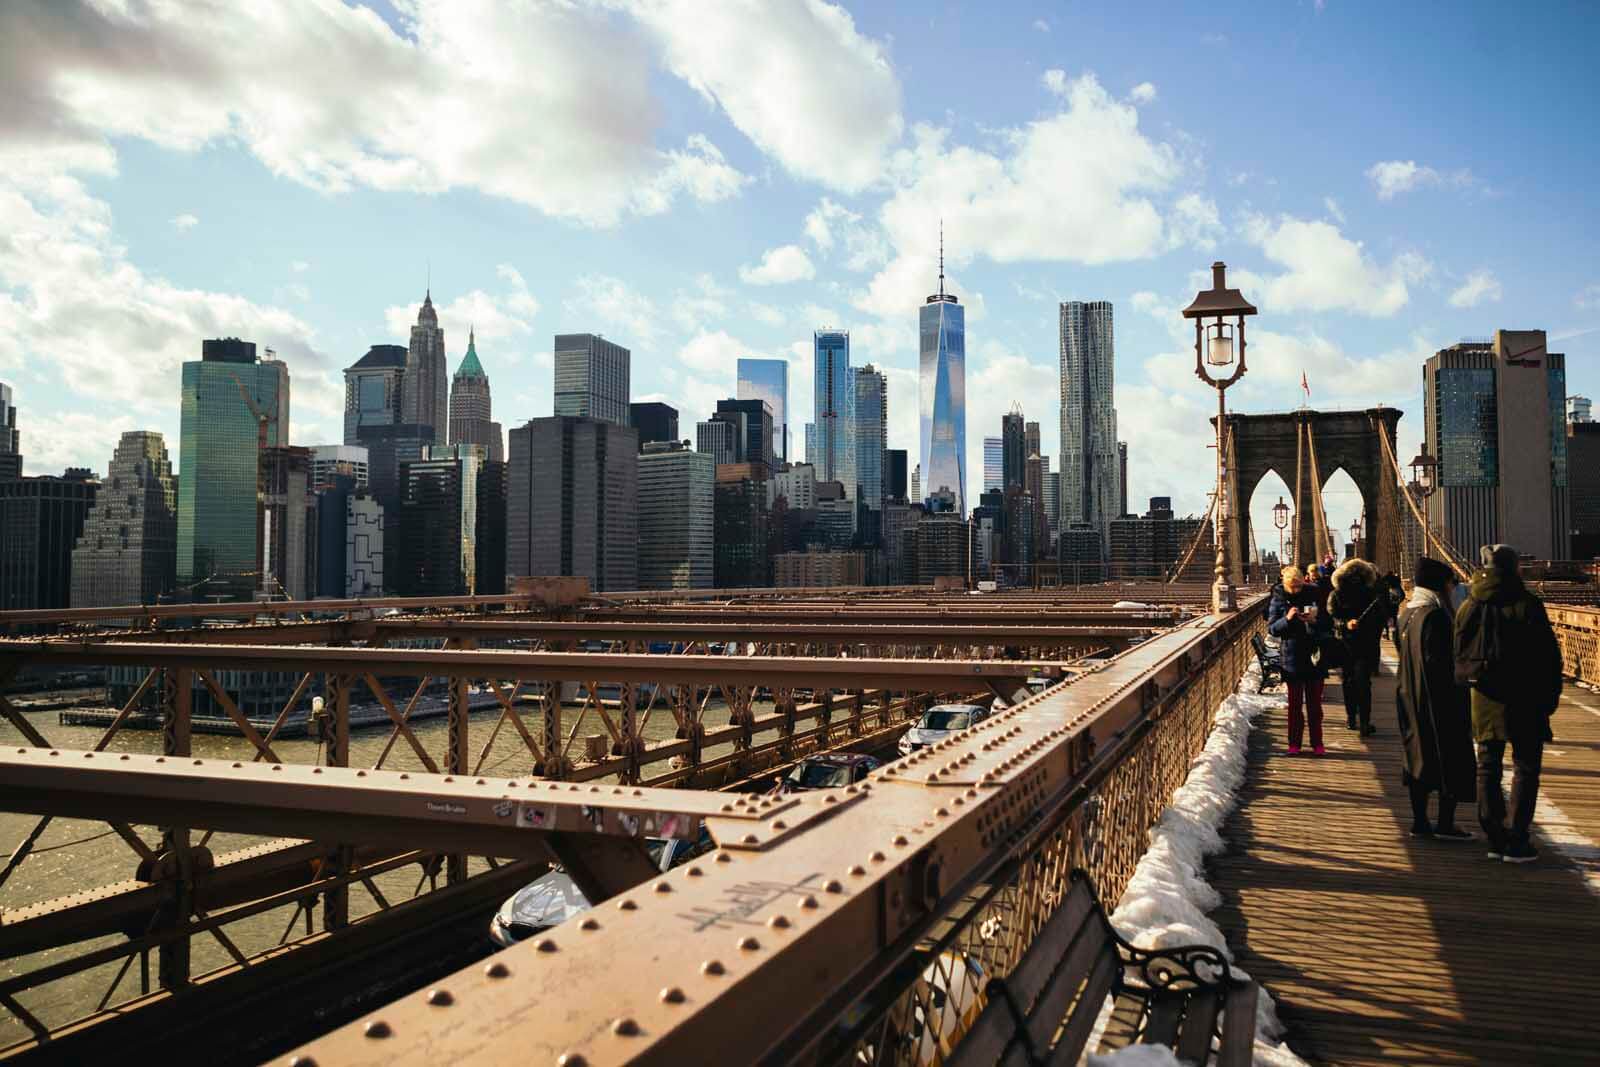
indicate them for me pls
(1424, 469)
(1280, 519)
(1219, 314)
(1355, 537)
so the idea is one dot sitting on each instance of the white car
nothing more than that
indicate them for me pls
(938, 723)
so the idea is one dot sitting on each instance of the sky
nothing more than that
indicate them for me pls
(704, 181)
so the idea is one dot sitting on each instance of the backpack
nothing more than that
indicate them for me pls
(1481, 648)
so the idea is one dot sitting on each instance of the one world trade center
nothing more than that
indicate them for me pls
(942, 390)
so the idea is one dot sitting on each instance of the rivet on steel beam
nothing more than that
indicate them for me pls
(440, 998)
(958, 802)
(833, 885)
(197, 762)
(480, 781)
(638, 792)
(695, 872)
(779, 922)
(275, 766)
(497, 970)
(856, 870)
(403, 777)
(943, 813)
(749, 839)
(56, 752)
(625, 1028)
(899, 840)
(808, 902)
(571, 1059)
(377, 1028)
(123, 757)
(723, 857)
(627, 905)
(236, 765)
(726, 807)
(589, 923)
(830, 799)
(877, 856)
(314, 770)
(779, 824)
(849, 789)
(544, 944)
(672, 995)
(447, 778)
(748, 944)
(663, 887)
(302, 1061)
(712, 967)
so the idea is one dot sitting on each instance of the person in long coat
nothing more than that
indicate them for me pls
(1360, 613)
(1434, 712)
(1296, 620)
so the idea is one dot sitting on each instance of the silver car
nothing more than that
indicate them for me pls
(938, 723)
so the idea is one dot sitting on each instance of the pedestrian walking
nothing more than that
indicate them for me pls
(1432, 709)
(1394, 593)
(1506, 650)
(1359, 610)
(1296, 620)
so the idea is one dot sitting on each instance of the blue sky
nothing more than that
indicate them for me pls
(701, 182)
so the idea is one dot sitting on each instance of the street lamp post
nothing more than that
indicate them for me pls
(1214, 345)
(1280, 519)
(1423, 469)
(1355, 537)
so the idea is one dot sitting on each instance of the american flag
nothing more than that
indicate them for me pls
(1305, 385)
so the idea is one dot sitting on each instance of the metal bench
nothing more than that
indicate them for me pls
(1271, 662)
(1044, 1011)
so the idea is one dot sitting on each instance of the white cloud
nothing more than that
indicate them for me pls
(715, 353)
(795, 76)
(1041, 25)
(997, 378)
(1333, 209)
(606, 304)
(549, 105)
(1055, 80)
(706, 302)
(299, 266)
(503, 321)
(779, 266)
(1194, 222)
(1588, 298)
(1480, 286)
(1393, 177)
(864, 243)
(185, 222)
(1327, 271)
(1143, 93)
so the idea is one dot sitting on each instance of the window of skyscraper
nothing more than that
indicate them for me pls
(1464, 402)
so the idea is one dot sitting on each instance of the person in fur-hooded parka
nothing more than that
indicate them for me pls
(1359, 612)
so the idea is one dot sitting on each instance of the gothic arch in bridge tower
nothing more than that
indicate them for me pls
(1338, 439)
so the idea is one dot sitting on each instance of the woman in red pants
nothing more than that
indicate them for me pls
(1296, 619)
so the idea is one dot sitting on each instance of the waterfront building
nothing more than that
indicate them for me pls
(942, 395)
(819, 570)
(768, 379)
(572, 505)
(472, 408)
(654, 421)
(426, 385)
(591, 378)
(219, 510)
(128, 551)
(676, 517)
(1090, 465)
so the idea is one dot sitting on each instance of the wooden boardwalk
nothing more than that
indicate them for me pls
(1381, 948)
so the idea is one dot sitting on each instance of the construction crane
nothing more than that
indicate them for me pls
(262, 419)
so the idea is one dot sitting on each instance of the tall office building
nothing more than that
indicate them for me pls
(1583, 477)
(471, 409)
(811, 443)
(831, 399)
(994, 463)
(352, 461)
(41, 520)
(1122, 475)
(1090, 490)
(1030, 439)
(916, 484)
(374, 390)
(751, 421)
(741, 520)
(676, 515)
(439, 522)
(870, 434)
(1494, 414)
(895, 485)
(286, 523)
(592, 378)
(796, 483)
(1014, 452)
(10, 439)
(427, 375)
(219, 513)
(572, 503)
(1033, 483)
(1580, 409)
(1052, 497)
(280, 410)
(715, 438)
(490, 540)
(768, 379)
(942, 392)
(128, 552)
(654, 421)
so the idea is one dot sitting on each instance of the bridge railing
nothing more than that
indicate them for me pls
(853, 926)
(1578, 632)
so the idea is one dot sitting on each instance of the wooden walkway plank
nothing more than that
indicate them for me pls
(1382, 948)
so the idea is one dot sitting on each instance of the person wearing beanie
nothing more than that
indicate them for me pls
(1506, 650)
(1359, 612)
(1432, 709)
(1296, 619)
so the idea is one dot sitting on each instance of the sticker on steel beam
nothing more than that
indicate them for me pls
(536, 816)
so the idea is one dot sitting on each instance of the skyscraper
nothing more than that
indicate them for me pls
(471, 409)
(219, 513)
(768, 379)
(1122, 476)
(10, 439)
(1014, 449)
(870, 434)
(427, 386)
(439, 522)
(654, 421)
(895, 475)
(942, 389)
(831, 399)
(286, 484)
(811, 443)
(676, 502)
(128, 552)
(572, 505)
(40, 522)
(1089, 464)
(994, 463)
(715, 438)
(751, 421)
(374, 390)
(591, 378)
(352, 461)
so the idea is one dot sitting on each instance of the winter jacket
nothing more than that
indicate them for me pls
(1296, 640)
(1357, 598)
(1432, 710)
(1506, 650)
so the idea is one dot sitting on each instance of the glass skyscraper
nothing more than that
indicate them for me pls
(832, 399)
(869, 426)
(942, 391)
(591, 377)
(768, 379)
(994, 469)
(1090, 465)
(218, 526)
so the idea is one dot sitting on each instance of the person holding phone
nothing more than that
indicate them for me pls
(1295, 617)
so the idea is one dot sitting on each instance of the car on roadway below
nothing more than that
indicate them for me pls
(833, 770)
(938, 723)
(554, 897)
